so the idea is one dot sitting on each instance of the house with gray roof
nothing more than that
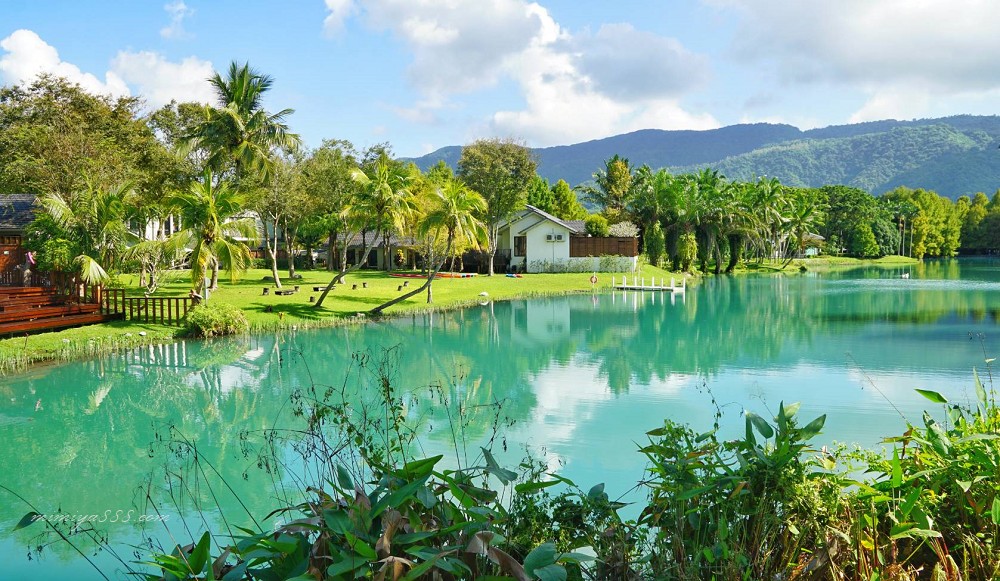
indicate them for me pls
(16, 212)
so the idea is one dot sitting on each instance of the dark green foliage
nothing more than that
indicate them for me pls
(215, 319)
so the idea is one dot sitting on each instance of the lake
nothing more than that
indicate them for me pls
(578, 380)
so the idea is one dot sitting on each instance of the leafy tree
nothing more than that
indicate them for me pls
(863, 243)
(541, 196)
(239, 134)
(654, 244)
(382, 203)
(501, 171)
(55, 138)
(214, 234)
(566, 206)
(330, 190)
(454, 214)
(612, 189)
(93, 221)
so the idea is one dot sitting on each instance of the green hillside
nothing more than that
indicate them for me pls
(952, 155)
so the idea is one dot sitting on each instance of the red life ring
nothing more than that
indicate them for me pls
(593, 279)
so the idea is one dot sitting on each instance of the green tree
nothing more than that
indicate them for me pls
(239, 135)
(863, 243)
(454, 214)
(566, 206)
(382, 203)
(214, 234)
(501, 171)
(612, 189)
(55, 138)
(93, 222)
(654, 243)
(541, 196)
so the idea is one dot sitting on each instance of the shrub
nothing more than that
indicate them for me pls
(655, 244)
(215, 319)
(597, 225)
(687, 250)
(623, 230)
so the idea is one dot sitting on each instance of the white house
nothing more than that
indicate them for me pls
(532, 235)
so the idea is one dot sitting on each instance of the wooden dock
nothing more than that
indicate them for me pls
(639, 284)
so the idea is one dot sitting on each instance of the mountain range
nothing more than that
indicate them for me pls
(950, 155)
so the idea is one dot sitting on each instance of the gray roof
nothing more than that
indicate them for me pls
(574, 226)
(16, 211)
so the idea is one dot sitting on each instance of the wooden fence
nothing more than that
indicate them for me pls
(580, 246)
(162, 310)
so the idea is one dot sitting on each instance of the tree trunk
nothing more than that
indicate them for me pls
(427, 285)
(290, 252)
(493, 235)
(344, 271)
(735, 250)
(215, 276)
(330, 245)
(272, 250)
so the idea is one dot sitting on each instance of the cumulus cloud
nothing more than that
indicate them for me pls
(630, 65)
(178, 11)
(575, 86)
(339, 11)
(26, 56)
(160, 81)
(951, 45)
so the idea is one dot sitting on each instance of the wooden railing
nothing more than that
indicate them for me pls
(162, 310)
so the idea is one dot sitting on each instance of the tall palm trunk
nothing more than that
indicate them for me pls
(735, 252)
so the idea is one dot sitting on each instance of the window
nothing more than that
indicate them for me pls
(520, 245)
(10, 240)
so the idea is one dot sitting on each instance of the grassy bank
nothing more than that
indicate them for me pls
(270, 312)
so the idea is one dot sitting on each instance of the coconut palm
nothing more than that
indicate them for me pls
(215, 235)
(453, 213)
(239, 133)
(383, 203)
(94, 221)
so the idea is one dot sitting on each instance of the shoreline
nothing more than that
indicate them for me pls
(106, 339)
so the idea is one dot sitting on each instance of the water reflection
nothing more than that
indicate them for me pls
(583, 376)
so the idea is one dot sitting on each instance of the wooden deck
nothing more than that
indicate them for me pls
(31, 309)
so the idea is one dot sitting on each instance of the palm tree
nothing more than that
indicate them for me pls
(383, 203)
(95, 223)
(454, 213)
(214, 235)
(239, 133)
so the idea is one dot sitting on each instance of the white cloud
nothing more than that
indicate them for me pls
(159, 80)
(950, 45)
(178, 11)
(574, 87)
(340, 10)
(153, 77)
(26, 56)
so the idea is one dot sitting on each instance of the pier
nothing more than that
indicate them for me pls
(639, 284)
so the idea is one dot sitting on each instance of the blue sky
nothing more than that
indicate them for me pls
(423, 74)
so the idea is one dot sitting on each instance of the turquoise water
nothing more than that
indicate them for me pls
(578, 380)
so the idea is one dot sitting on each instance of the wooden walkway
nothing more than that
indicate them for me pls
(639, 284)
(29, 309)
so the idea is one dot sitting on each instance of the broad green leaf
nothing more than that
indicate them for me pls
(200, 554)
(344, 478)
(932, 395)
(552, 572)
(897, 470)
(995, 512)
(596, 492)
(27, 520)
(980, 394)
(763, 428)
(421, 468)
(909, 502)
(813, 428)
(541, 556)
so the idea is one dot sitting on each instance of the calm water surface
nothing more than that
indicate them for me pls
(582, 379)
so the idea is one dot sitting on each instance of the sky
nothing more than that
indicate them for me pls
(424, 74)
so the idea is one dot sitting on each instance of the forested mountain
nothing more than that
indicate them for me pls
(951, 155)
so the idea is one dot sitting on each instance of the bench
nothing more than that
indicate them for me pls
(284, 292)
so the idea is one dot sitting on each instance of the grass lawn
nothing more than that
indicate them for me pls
(340, 306)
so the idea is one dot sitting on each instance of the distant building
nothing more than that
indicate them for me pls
(16, 212)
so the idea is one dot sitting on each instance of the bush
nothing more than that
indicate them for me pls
(623, 230)
(597, 225)
(215, 319)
